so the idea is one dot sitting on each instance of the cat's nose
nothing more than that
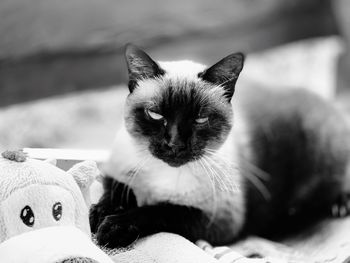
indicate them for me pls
(175, 145)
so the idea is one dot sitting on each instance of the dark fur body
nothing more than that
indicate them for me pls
(300, 140)
(296, 138)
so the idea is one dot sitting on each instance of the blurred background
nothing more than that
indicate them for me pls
(62, 71)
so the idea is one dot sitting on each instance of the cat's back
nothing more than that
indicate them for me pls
(301, 142)
(264, 102)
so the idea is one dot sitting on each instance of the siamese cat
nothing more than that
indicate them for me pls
(198, 159)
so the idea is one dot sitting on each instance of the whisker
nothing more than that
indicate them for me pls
(225, 173)
(214, 209)
(217, 178)
(252, 177)
(219, 174)
(133, 173)
(256, 170)
(258, 184)
(221, 166)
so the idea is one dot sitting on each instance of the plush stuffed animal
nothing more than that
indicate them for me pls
(43, 214)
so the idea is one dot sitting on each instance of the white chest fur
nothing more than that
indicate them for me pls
(154, 181)
(194, 184)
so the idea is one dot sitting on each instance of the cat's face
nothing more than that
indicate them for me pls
(179, 110)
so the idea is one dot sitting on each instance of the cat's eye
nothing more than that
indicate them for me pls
(202, 120)
(154, 115)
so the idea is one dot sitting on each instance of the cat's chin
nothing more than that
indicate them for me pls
(174, 162)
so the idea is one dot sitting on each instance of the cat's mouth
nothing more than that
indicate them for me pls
(175, 160)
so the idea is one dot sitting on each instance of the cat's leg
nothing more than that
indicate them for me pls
(192, 223)
(116, 197)
(341, 207)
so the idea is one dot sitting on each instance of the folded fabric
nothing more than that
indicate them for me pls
(161, 248)
(171, 248)
(226, 254)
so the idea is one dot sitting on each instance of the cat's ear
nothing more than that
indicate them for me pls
(140, 66)
(225, 73)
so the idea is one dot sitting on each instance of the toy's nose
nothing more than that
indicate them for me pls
(78, 260)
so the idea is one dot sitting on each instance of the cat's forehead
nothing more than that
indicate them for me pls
(180, 87)
(176, 90)
(182, 69)
(180, 77)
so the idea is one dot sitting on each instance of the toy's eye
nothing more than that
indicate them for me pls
(154, 115)
(27, 216)
(57, 211)
(202, 120)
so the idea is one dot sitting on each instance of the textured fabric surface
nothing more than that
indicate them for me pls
(163, 247)
(78, 260)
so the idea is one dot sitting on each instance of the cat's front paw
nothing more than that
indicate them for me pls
(341, 207)
(114, 233)
(96, 215)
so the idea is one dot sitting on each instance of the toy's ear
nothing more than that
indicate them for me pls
(84, 174)
(51, 161)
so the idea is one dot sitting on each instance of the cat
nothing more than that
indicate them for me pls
(198, 159)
